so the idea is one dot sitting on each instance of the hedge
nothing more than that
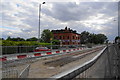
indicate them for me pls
(21, 43)
(0, 42)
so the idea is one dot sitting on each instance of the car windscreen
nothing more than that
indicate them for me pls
(41, 48)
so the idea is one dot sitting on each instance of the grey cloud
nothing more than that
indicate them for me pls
(26, 30)
(64, 12)
(72, 12)
(110, 9)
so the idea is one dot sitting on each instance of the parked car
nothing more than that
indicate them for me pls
(72, 46)
(38, 49)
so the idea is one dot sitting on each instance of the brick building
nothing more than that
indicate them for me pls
(67, 36)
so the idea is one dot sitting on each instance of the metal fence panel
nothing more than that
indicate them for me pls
(10, 73)
(25, 72)
(6, 50)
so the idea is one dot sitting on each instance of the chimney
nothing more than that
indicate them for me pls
(69, 29)
(66, 28)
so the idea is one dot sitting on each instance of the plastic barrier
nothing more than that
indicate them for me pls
(21, 56)
(36, 54)
(3, 59)
(57, 51)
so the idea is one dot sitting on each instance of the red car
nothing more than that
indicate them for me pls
(38, 49)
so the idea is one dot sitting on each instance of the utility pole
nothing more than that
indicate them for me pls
(39, 22)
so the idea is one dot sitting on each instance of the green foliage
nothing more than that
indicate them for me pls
(100, 38)
(84, 37)
(1, 38)
(55, 42)
(8, 43)
(87, 37)
(22, 43)
(15, 39)
(9, 38)
(0, 42)
(116, 38)
(46, 35)
(32, 39)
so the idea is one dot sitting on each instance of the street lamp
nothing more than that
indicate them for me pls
(119, 19)
(39, 22)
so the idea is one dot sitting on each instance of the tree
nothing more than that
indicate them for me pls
(84, 37)
(32, 39)
(91, 38)
(87, 37)
(46, 35)
(9, 38)
(101, 38)
(116, 38)
(1, 38)
(15, 39)
(18, 39)
(56, 42)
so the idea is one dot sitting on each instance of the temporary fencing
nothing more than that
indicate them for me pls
(10, 73)
(26, 58)
(25, 72)
(15, 72)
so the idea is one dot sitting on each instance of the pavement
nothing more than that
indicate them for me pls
(106, 66)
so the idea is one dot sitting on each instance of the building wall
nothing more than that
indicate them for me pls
(68, 38)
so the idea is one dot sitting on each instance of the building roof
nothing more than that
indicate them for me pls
(66, 30)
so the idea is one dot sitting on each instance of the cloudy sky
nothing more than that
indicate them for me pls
(20, 17)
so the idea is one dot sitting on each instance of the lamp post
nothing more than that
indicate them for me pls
(39, 22)
(119, 19)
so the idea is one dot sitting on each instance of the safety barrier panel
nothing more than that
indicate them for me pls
(72, 73)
